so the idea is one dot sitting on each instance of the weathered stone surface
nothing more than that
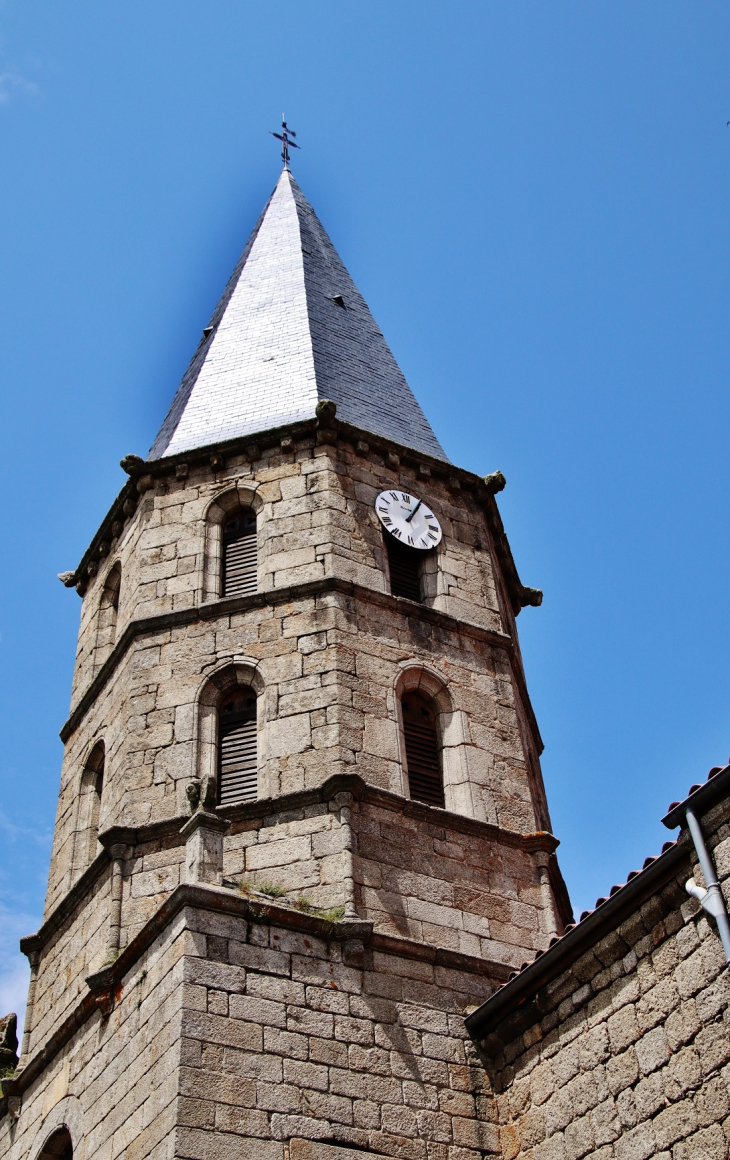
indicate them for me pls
(224, 1031)
(248, 1053)
(329, 668)
(630, 1063)
(8, 1043)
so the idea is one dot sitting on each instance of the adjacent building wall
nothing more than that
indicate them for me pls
(625, 1054)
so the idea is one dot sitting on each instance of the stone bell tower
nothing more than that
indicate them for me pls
(301, 825)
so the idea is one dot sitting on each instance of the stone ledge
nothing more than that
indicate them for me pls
(406, 948)
(64, 909)
(125, 835)
(149, 625)
(265, 807)
(160, 468)
(23, 1079)
(103, 984)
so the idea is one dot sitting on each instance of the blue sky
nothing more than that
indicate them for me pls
(533, 199)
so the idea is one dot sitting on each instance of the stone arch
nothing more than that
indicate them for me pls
(238, 673)
(108, 614)
(222, 507)
(91, 783)
(452, 729)
(58, 1146)
(62, 1127)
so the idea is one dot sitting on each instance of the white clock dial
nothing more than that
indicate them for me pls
(407, 518)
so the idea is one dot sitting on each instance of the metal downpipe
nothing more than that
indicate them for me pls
(712, 900)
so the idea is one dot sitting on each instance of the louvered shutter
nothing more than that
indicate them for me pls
(405, 565)
(237, 756)
(239, 555)
(422, 752)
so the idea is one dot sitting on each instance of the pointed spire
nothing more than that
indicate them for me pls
(290, 329)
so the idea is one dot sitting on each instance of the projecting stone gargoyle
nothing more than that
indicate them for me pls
(8, 1043)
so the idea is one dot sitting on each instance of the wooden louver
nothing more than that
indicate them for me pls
(404, 564)
(422, 751)
(237, 757)
(239, 554)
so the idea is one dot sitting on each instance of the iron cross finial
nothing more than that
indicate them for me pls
(286, 142)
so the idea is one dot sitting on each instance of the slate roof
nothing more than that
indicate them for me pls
(290, 329)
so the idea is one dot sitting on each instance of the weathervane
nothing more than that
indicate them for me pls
(286, 143)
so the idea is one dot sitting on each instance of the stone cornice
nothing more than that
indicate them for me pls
(341, 783)
(210, 610)
(66, 907)
(214, 456)
(406, 948)
(386, 799)
(104, 983)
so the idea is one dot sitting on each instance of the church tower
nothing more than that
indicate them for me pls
(301, 827)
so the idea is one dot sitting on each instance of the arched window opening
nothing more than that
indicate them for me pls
(239, 557)
(92, 784)
(58, 1146)
(95, 781)
(404, 564)
(237, 747)
(109, 607)
(423, 759)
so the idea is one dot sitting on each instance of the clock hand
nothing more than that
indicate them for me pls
(410, 517)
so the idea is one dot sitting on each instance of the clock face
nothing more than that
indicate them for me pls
(408, 519)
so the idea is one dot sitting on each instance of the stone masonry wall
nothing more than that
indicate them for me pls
(465, 888)
(419, 874)
(329, 667)
(329, 664)
(116, 1082)
(70, 954)
(628, 1056)
(316, 519)
(282, 1039)
(229, 1037)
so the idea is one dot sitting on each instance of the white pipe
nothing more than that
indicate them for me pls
(712, 900)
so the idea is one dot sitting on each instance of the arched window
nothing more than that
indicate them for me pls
(237, 747)
(92, 783)
(239, 565)
(404, 564)
(95, 773)
(423, 757)
(58, 1146)
(231, 543)
(109, 608)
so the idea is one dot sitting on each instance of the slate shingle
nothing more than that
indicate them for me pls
(290, 329)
